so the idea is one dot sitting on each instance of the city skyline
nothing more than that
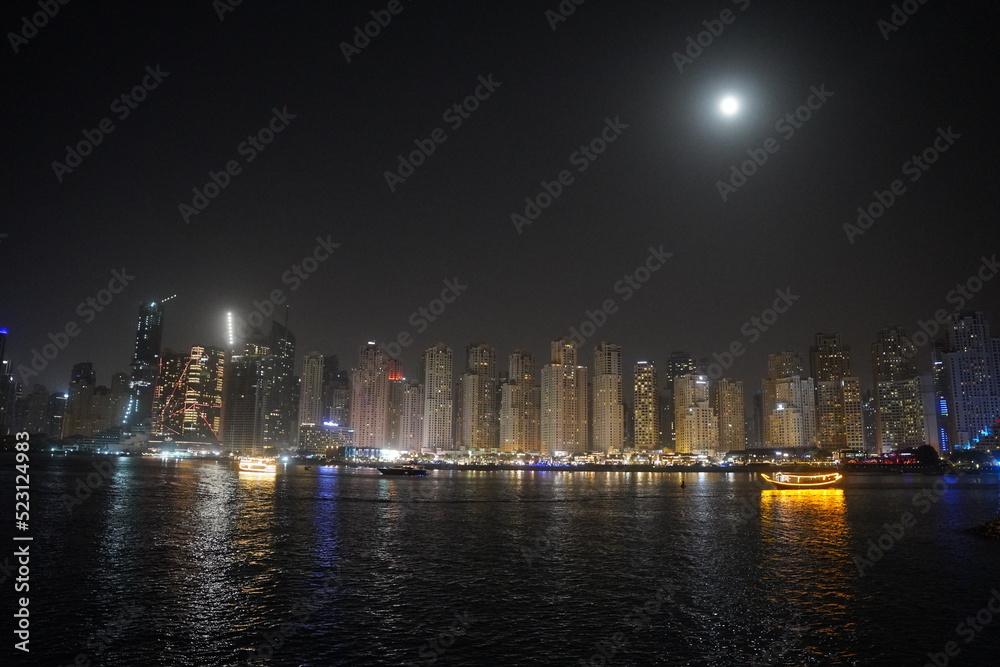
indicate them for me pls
(949, 404)
(355, 260)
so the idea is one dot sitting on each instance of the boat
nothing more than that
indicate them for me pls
(258, 465)
(788, 480)
(409, 471)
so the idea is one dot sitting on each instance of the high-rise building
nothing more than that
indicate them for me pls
(789, 403)
(438, 405)
(869, 416)
(336, 393)
(244, 402)
(57, 413)
(189, 393)
(80, 418)
(519, 405)
(939, 378)
(784, 364)
(791, 421)
(899, 410)
(727, 402)
(646, 398)
(370, 398)
(480, 422)
(971, 379)
(119, 398)
(311, 390)
(406, 414)
(838, 394)
(145, 365)
(282, 410)
(564, 405)
(829, 358)
(678, 363)
(608, 410)
(36, 411)
(696, 421)
(757, 423)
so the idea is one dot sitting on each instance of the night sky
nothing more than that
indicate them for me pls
(655, 184)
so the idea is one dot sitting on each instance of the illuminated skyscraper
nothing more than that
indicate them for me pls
(679, 363)
(145, 364)
(939, 378)
(311, 391)
(245, 398)
(189, 394)
(697, 423)
(281, 418)
(647, 407)
(608, 408)
(971, 378)
(480, 422)
(899, 415)
(406, 414)
(119, 398)
(519, 405)
(564, 413)
(370, 398)
(437, 372)
(727, 403)
(789, 403)
(839, 423)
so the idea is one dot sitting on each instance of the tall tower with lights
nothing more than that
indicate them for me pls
(608, 408)
(145, 364)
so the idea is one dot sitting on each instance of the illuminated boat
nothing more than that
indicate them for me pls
(409, 471)
(787, 480)
(258, 465)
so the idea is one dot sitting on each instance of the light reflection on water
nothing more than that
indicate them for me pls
(550, 563)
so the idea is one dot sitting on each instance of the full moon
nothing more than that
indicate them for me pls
(729, 105)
